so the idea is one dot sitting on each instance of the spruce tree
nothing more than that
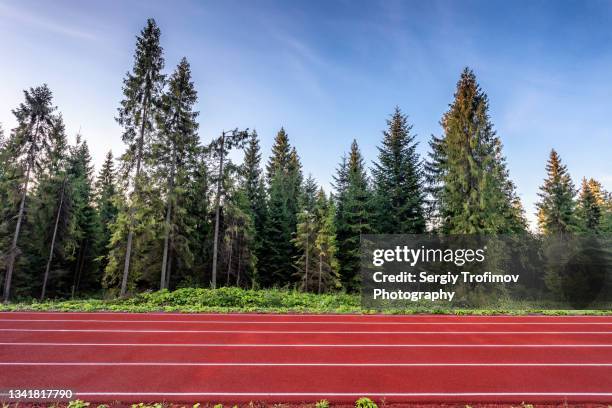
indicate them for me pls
(468, 181)
(399, 196)
(556, 206)
(588, 208)
(325, 244)
(276, 263)
(221, 148)
(29, 140)
(352, 219)
(175, 155)
(86, 225)
(304, 241)
(284, 172)
(309, 194)
(279, 159)
(254, 189)
(51, 212)
(105, 197)
(142, 90)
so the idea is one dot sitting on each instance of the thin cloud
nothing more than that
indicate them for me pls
(43, 23)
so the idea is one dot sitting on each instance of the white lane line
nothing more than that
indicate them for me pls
(299, 322)
(266, 345)
(293, 331)
(349, 394)
(323, 315)
(189, 364)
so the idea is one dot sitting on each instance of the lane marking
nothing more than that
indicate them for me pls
(293, 331)
(297, 314)
(298, 322)
(299, 345)
(187, 364)
(354, 394)
(341, 394)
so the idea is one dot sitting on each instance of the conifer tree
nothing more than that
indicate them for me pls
(556, 206)
(141, 89)
(175, 155)
(399, 196)
(29, 140)
(325, 244)
(105, 197)
(284, 197)
(305, 240)
(255, 192)
(221, 147)
(279, 159)
(85, 223)
(276, 263)
(588, 209)
(466, 174)
(353, 198)
(52, 212)
(309, 194)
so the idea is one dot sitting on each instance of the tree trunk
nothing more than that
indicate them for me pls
(229, 261)
(13, 250)
(128, 249)
(81, 266)
(239, 261)
(169, 268)
(307, 261)
(163, 284)
(217, 209)
(320, 270)
(50, 259)
(76, 272)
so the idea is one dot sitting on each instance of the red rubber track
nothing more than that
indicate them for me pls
(247, 357)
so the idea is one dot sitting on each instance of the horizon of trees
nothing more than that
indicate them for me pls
(172, 212)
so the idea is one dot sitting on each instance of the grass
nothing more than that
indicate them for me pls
(226, 300)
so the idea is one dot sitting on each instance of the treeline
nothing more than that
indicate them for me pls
(172, 212)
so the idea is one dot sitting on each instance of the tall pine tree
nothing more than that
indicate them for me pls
(254, 189)
(141, 90)
(399, 196)
(175, 156)
(105, 199)
(29, 140)
(589, 208)
(284, 172)
(353, 202)
(556, 206)
(466, 174)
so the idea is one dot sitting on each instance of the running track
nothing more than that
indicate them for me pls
(244, 357)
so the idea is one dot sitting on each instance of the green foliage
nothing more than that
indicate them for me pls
(78, 404)
(232, 299)
(399, 196)
(365, 403)
(352, 219)
(175, 153)
(322, 404)
(468, 180)
(27, 147)
(284, 196)
(556, 206)
(589, 208)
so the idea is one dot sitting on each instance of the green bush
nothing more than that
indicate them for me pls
(365, 403)
(232, 299)
(322, 404)
(78, 404)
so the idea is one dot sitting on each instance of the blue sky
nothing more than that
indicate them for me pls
(331, 71)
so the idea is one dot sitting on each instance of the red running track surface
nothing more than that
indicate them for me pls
(247, 357)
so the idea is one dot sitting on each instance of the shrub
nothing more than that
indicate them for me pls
(322, 404)
(365, 403)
